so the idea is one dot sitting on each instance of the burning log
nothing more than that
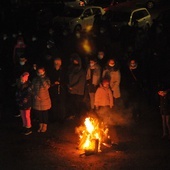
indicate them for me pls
(92, 135)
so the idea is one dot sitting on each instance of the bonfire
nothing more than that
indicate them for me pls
(92, 135)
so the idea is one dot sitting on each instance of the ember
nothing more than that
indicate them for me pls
(92, 134)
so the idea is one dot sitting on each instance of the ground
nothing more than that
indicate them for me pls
(136, 145)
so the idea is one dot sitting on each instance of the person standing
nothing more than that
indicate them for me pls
(93, 77)
(21, 66)
(41, 98)
(165, 111)
(19, 49)
(112, 73)
(134, 88)
(58, 88)
(76, 85)
(104, 100)
(24, 98)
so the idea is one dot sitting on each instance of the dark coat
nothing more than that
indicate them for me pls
(60, 76)
(24, 96)
(77, 79)
(165, 104)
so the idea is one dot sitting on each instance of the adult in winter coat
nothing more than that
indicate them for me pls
(58, 91)
(19, 49)
(41, 98)
(76, 84)
(112, 73)
(24, 98)
(93, 77)
(165, 111)
(133, 85)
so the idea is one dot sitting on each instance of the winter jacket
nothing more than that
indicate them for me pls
(103, 97)
(165, 104)
(19, 49)
(77, 82)
(24, 96)
(41, 99)
(96, 75)
(77, 78)
(114, 77)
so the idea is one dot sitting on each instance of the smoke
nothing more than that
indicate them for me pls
(111, 117)
(115, 117)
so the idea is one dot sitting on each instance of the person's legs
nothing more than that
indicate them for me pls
(168, 124)
(40, 118)
(25, 114)
(78, 105)
(45, 116)
(92, 100)
(28, 119)
(164, 125)
(45, 120)
(22, 112)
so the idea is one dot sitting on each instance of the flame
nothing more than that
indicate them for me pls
(90, 133)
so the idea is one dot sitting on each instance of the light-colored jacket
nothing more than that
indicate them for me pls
(96, 74)
(41, 97)
(115, 78)
(103, 97)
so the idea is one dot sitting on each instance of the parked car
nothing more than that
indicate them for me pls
(111, 4)
(76, 19)
(113, 21)
(73, 3)
(147, 3)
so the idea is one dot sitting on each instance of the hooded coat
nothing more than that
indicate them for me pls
(19, 49)
(96, 74)
(76, 77)
(103, 97)
(41, 99)
(114, 77)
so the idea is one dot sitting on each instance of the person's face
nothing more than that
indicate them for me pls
(111, 63)
(24, 79)
(92, 63)
(22, 61)
(162, 93)
(57, 63)
(132, 63)
(100, 55)
(40, 72)
(106, 84)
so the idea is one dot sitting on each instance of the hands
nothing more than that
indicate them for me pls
(37, 98)
(70, 88)
(25, 100)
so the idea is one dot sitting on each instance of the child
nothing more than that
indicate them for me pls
(103, 100)
(165, 112)
(23, 97)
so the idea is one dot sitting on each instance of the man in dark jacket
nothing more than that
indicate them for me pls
(76, 85)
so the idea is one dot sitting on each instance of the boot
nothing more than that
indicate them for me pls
(44, 128)
(40, 127)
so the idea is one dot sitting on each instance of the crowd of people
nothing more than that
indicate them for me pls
(53, 80)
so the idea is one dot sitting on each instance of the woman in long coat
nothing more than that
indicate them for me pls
(112, 73)
(41, 99)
